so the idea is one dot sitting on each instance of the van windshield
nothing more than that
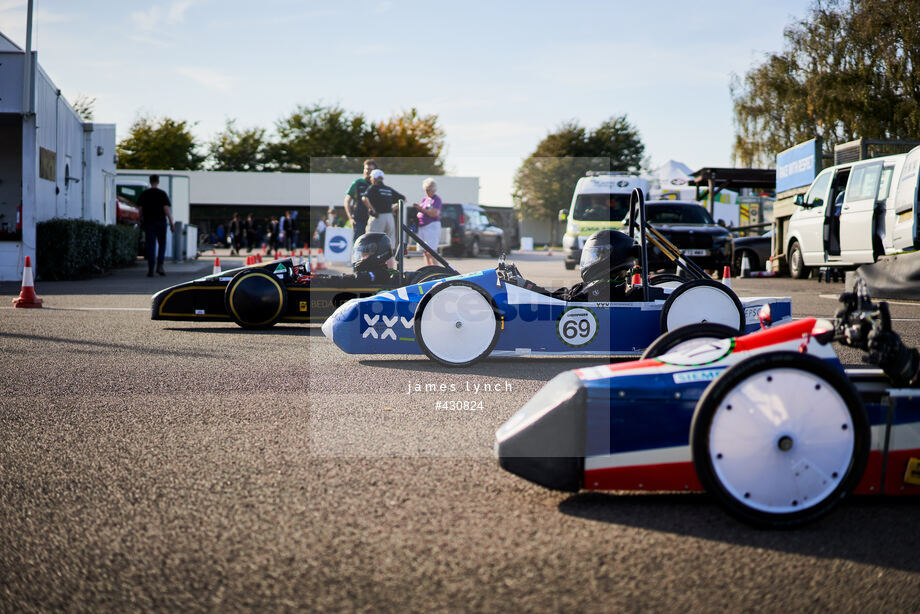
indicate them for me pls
(678, 214)
(601, 207)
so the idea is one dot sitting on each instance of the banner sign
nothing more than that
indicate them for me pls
(338, 244)
(798, 166)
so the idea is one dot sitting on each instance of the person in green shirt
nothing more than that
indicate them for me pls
(354, 205)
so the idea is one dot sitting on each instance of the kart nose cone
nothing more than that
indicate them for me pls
(342, 318)
(328, 325)
(544, 442)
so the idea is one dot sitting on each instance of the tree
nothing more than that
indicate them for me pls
(317, 138)
(544, 183)
(235, 149)
(83, 105)
(850, 69)
(407, 143)
(165, 143)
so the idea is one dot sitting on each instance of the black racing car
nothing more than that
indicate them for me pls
(690, 227)
(261, 295)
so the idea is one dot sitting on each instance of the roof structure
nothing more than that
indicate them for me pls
(718, 179)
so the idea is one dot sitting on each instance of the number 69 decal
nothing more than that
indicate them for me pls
(577, 326)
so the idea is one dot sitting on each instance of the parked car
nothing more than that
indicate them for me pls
(756, 248)
(471, 233)
(689, 226)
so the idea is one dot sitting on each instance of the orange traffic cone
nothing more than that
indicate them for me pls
(320, 260)
(727, 276)
(27, 297)
(258, 258)
(216, 269)
(549, 250)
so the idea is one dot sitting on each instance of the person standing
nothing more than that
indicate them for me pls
(287, 231)
(354, 206)
(274, 231)
(379, 200)
(249, 228)
(236, 235)
(155, 209)
(429, 218)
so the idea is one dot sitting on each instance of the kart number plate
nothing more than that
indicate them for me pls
(695, 252)
(912, 475)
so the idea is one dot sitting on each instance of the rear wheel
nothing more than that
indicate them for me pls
(779, 439)
(255, 299)
(702, 300)
(429, 273)
(474, 248)
(569, 266)
(688, 336)
(457, 323)
(797, 268)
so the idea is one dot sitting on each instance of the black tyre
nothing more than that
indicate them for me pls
(429, 273)
(797, 268)
(457, 323)
(569, 265)
(753, 260)
(702, 300)
(255, 299)
(685, 335)
(779, 439)
(474, 249)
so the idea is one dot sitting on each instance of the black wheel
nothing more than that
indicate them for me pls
(753, 261)
(497, 250)
(702, 300)
(797, 268)
(474, 249)
(255, 299)
(779, 439)
(667, 280)
(686, 336)
(569, 265)
(429, 273)
(457, 323)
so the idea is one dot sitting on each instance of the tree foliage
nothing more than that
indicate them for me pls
(235, 149)
(317, 138)
(407, 143)
(163, 143)
(850, 69)
(544, 183)
(85, 107)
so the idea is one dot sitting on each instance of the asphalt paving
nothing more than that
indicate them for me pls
(178, 466)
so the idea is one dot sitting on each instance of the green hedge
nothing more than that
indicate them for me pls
(75, 249)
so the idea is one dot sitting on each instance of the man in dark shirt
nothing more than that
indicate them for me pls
(379, 200)
(155, 210)
(354, 206)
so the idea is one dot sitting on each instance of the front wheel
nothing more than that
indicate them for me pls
(685, 337)
(457, 323)
(797, 268)
(702, 300)
(255, 299)
(779, 439)
(569, 266)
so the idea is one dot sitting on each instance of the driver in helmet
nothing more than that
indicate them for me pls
(607, 261)
(369, 257)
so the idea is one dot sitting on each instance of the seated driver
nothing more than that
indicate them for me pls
(369, 256)
(607, 260)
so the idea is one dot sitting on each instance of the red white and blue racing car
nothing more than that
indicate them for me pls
(769, 423)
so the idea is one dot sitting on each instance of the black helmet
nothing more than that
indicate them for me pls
(607, 254)
(371, 252)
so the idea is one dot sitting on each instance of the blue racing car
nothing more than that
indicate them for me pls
(462, 319)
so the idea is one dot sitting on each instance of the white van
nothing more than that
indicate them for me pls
(600, 201)
(853, 213)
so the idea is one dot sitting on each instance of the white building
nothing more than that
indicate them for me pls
(52, 163)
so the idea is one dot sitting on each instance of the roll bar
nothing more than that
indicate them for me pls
(402, 228)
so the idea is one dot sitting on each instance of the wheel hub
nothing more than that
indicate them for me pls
(785, 443)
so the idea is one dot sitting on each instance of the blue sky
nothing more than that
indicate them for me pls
(500, 75)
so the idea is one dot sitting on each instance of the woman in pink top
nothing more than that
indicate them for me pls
(429, 218)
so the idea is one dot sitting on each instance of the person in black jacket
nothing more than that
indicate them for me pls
(155, 210)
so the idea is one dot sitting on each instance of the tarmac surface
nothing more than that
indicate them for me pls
(177, 466)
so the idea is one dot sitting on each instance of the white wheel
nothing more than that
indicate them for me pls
(702, 300)
(778, 438)
(456, 323)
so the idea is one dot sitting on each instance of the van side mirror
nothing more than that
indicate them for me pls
(563, 215)
(800, 200)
